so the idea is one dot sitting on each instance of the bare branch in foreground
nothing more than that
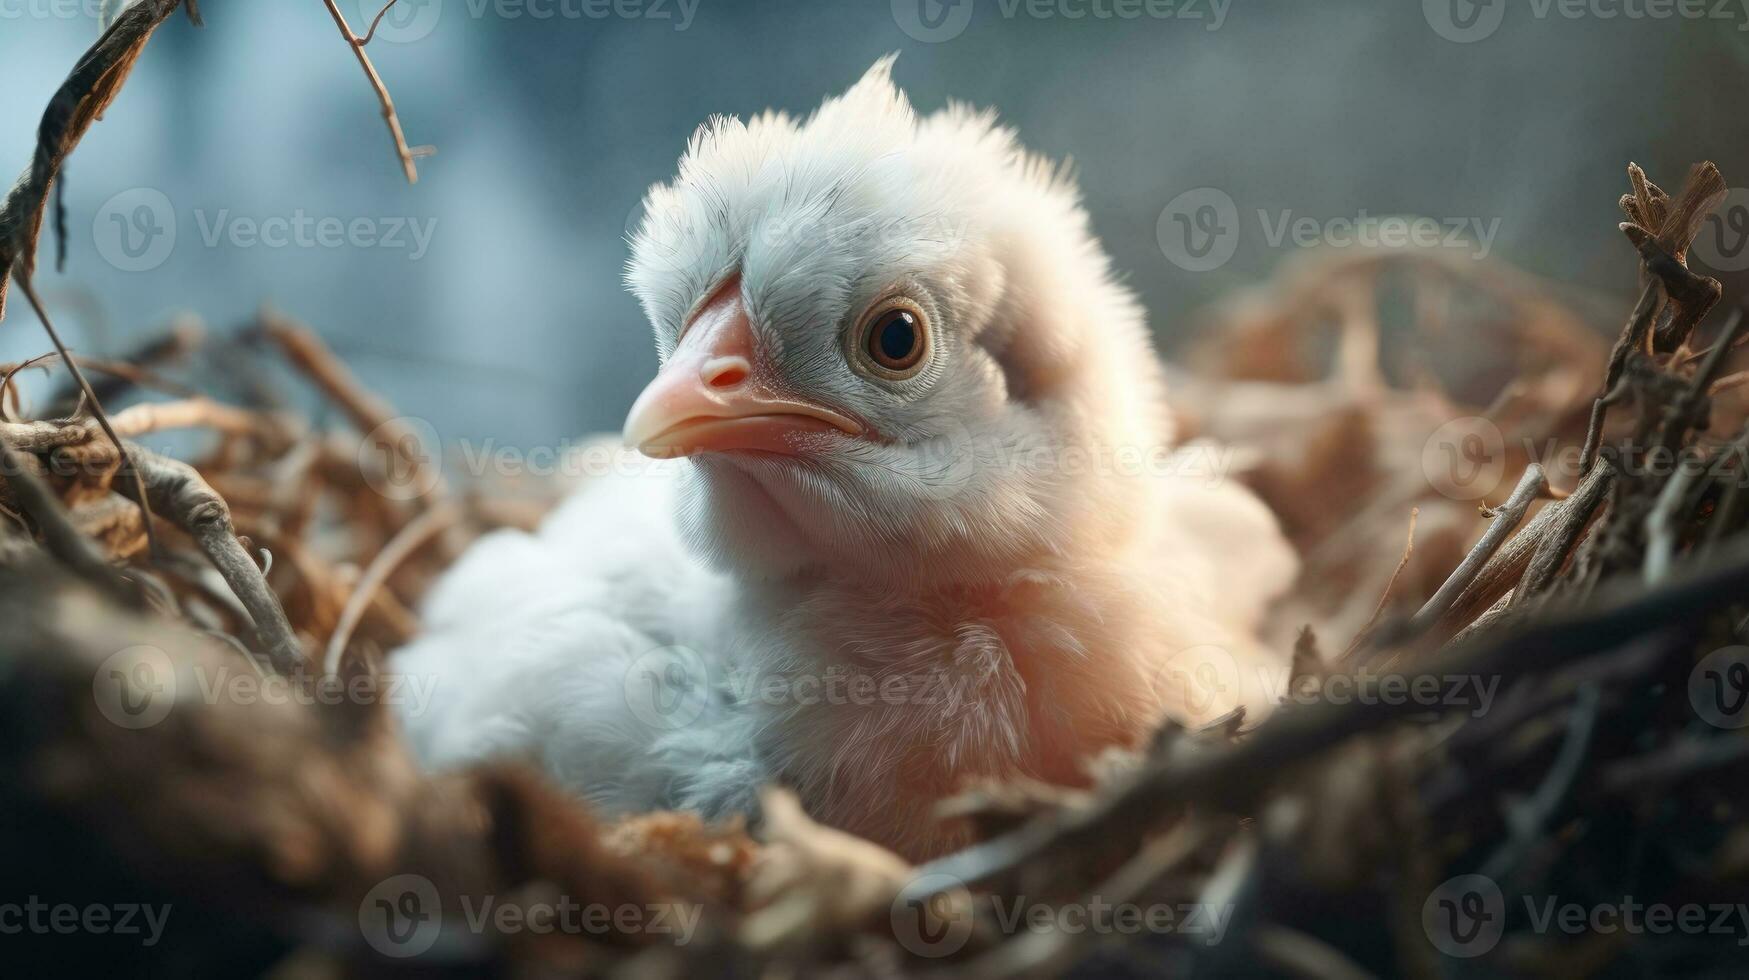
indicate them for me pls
(187, 500)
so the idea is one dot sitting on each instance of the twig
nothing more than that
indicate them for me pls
(1661, 525)
(393, 120)
(42, 435)
(1390, 586)
(195, 413)
(1489, 617)
(378, 19)
(1526, 819)
(1503, 572)
(1050, 951)
(1574, 516)
(1662, 229)
(88, 90)
(368, 413)
(408, 540)
(60, 536)
(1634, 336)
(10, 371)
(1530, 486)
(1688, 757)
(1226, 776)
(1292, 953)
(187, 500)
(134, 367)
(1736, 379)
(140, 496)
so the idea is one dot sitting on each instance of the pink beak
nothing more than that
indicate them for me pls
(714, 394)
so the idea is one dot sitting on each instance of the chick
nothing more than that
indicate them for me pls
(919, 518)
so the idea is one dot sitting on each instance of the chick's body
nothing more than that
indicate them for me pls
(931, 526)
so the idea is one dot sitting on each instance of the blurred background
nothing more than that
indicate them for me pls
(487, 298)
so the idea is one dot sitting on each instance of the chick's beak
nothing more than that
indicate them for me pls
(714, 395)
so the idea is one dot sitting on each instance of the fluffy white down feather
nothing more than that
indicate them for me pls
(671, 635)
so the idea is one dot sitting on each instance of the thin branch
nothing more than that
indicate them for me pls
(187, 501)
(140, 496)
(61, 537)
(90, 87)
(408, 540)
(1662, 527)
(1575, 515)
(1526, 819)
(1391, 586)
(390, 117)
(42, 436)
(1635, 335)
(368, 413)
(378, 19)
(1228, 776)
(1530, 486)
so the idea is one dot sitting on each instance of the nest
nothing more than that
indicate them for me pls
(1512, 741)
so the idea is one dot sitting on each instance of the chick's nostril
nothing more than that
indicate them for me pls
(724, 372)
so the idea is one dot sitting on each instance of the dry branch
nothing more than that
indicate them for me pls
(80, 100)
(410, 538)
(390, 117)
(187, 501)
(1531, 485)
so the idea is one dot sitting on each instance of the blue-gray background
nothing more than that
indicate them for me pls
(514, 325)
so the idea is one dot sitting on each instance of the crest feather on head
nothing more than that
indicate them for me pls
(862, 159)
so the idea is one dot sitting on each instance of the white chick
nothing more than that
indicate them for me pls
(929, 525)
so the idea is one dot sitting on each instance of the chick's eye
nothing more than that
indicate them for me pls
(895, 339)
